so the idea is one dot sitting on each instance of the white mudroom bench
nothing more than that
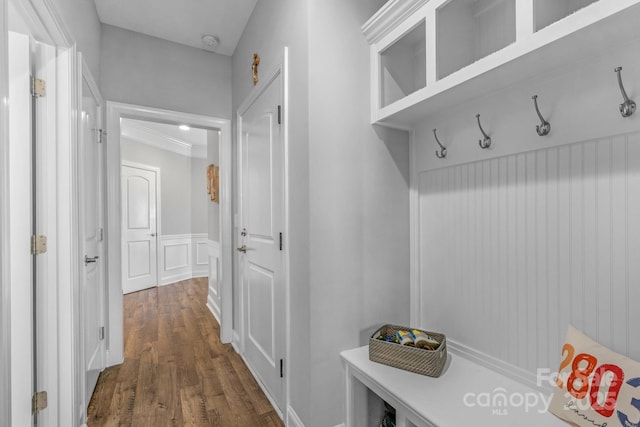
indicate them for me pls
(465, 394)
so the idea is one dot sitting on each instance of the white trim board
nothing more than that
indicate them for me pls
(115, 111)
(5, 282)
(20, 195)
(213, 297)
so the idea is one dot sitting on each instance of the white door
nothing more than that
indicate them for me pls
(92, 291)
(139, 248)
(261, 256)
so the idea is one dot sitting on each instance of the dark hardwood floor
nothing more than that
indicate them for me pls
(176, 371)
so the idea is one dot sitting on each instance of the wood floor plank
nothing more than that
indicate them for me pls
(194, 411)
(176, 371)
(259, 401)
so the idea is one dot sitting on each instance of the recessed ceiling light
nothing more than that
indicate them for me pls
(184, 127)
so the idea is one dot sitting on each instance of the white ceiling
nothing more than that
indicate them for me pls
(181, 21)
(191, 143)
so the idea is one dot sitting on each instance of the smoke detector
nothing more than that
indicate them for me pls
(210, 42)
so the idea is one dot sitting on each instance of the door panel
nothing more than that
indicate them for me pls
(138, 200)
(262, 218)
(139, 263)
(259, 180)
(260, 327)
(139, 251)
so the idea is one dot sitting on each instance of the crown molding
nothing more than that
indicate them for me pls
(144, 135)
(388, 17)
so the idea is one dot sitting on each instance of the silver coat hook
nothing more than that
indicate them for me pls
(544, 127)
(628, 107)
(443, 150)
(486, 141)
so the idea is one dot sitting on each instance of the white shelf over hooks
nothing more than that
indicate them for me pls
(430, 55)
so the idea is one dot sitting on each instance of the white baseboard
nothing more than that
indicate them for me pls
(167, 280)
(235, 343)
(113, 361)
(213, 308)
(292, 418)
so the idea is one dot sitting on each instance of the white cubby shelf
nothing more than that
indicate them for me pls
(429, 55)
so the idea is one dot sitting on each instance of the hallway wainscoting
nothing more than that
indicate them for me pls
(176, 371)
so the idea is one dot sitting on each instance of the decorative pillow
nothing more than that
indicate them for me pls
(596, 386)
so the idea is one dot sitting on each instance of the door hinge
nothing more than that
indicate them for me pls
(279, 114)
(38, 87)
(281, 368)
(280, 241)
(100, 234)
(38, 402)
(101, 333)
(38, 244)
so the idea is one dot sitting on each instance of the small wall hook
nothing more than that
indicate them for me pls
(544, 127)
(628, 107)
(443, 150)
(486, 141)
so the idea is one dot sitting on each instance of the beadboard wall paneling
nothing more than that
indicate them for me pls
(513, 249)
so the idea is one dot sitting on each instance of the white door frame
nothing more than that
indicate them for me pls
(158, 172)
(5, 293)
(115, 111)
(44, 23)
(281, 70)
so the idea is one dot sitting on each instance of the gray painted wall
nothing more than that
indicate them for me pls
(182, 180)
(82, 21)
(350, 195)
(360, 245)
(144, 70)
(273, 25)
(213, 157)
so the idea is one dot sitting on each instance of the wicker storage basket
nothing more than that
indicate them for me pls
(412, 359)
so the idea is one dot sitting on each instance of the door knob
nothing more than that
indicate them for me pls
(242, 249)
(89, 260)
(152, 234)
